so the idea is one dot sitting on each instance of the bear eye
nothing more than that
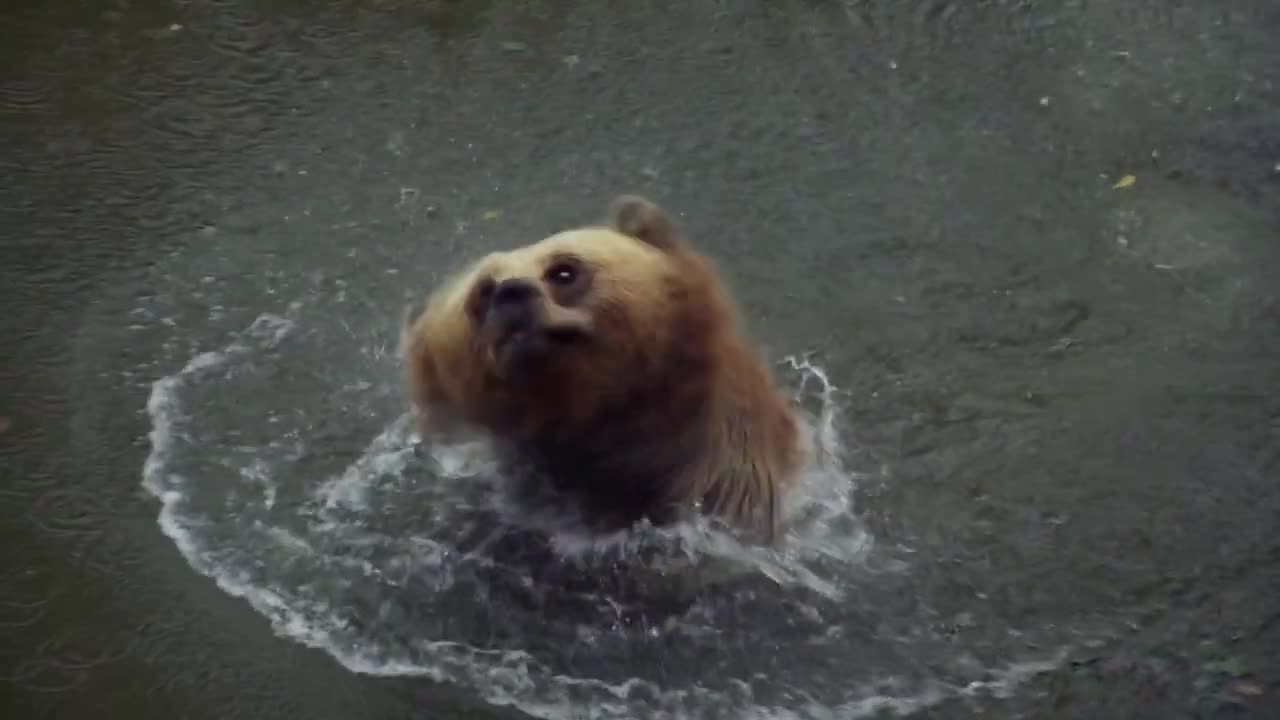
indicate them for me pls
(562, 274)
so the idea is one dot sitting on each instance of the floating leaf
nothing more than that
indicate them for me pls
(1124, 182)
(491, 215)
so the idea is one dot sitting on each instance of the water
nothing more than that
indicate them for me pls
(1050, 400)
(298, 489)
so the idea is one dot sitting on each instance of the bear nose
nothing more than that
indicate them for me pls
(513, 292)
(512, 305)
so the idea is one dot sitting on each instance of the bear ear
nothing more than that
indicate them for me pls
(643, 220)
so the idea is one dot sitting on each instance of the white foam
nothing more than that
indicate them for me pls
(303, 571)
(388, 453)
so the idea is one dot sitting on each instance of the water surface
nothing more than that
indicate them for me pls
(1056, 396)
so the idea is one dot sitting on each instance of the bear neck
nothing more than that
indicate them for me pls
(666, 443)
(619, 467)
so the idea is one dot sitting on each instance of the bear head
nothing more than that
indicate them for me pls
(555, 331)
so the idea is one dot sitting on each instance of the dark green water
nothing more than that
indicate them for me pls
(1063, 394)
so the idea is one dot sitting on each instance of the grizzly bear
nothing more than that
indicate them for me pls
(608, 363)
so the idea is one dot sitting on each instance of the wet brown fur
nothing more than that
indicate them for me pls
(665, 403)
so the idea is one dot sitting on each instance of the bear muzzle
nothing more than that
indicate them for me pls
(514, 306)
(524, 325)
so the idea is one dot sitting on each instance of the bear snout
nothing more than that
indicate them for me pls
(512, 292)
(513, 304)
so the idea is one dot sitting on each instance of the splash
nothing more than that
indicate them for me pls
(400, 563)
